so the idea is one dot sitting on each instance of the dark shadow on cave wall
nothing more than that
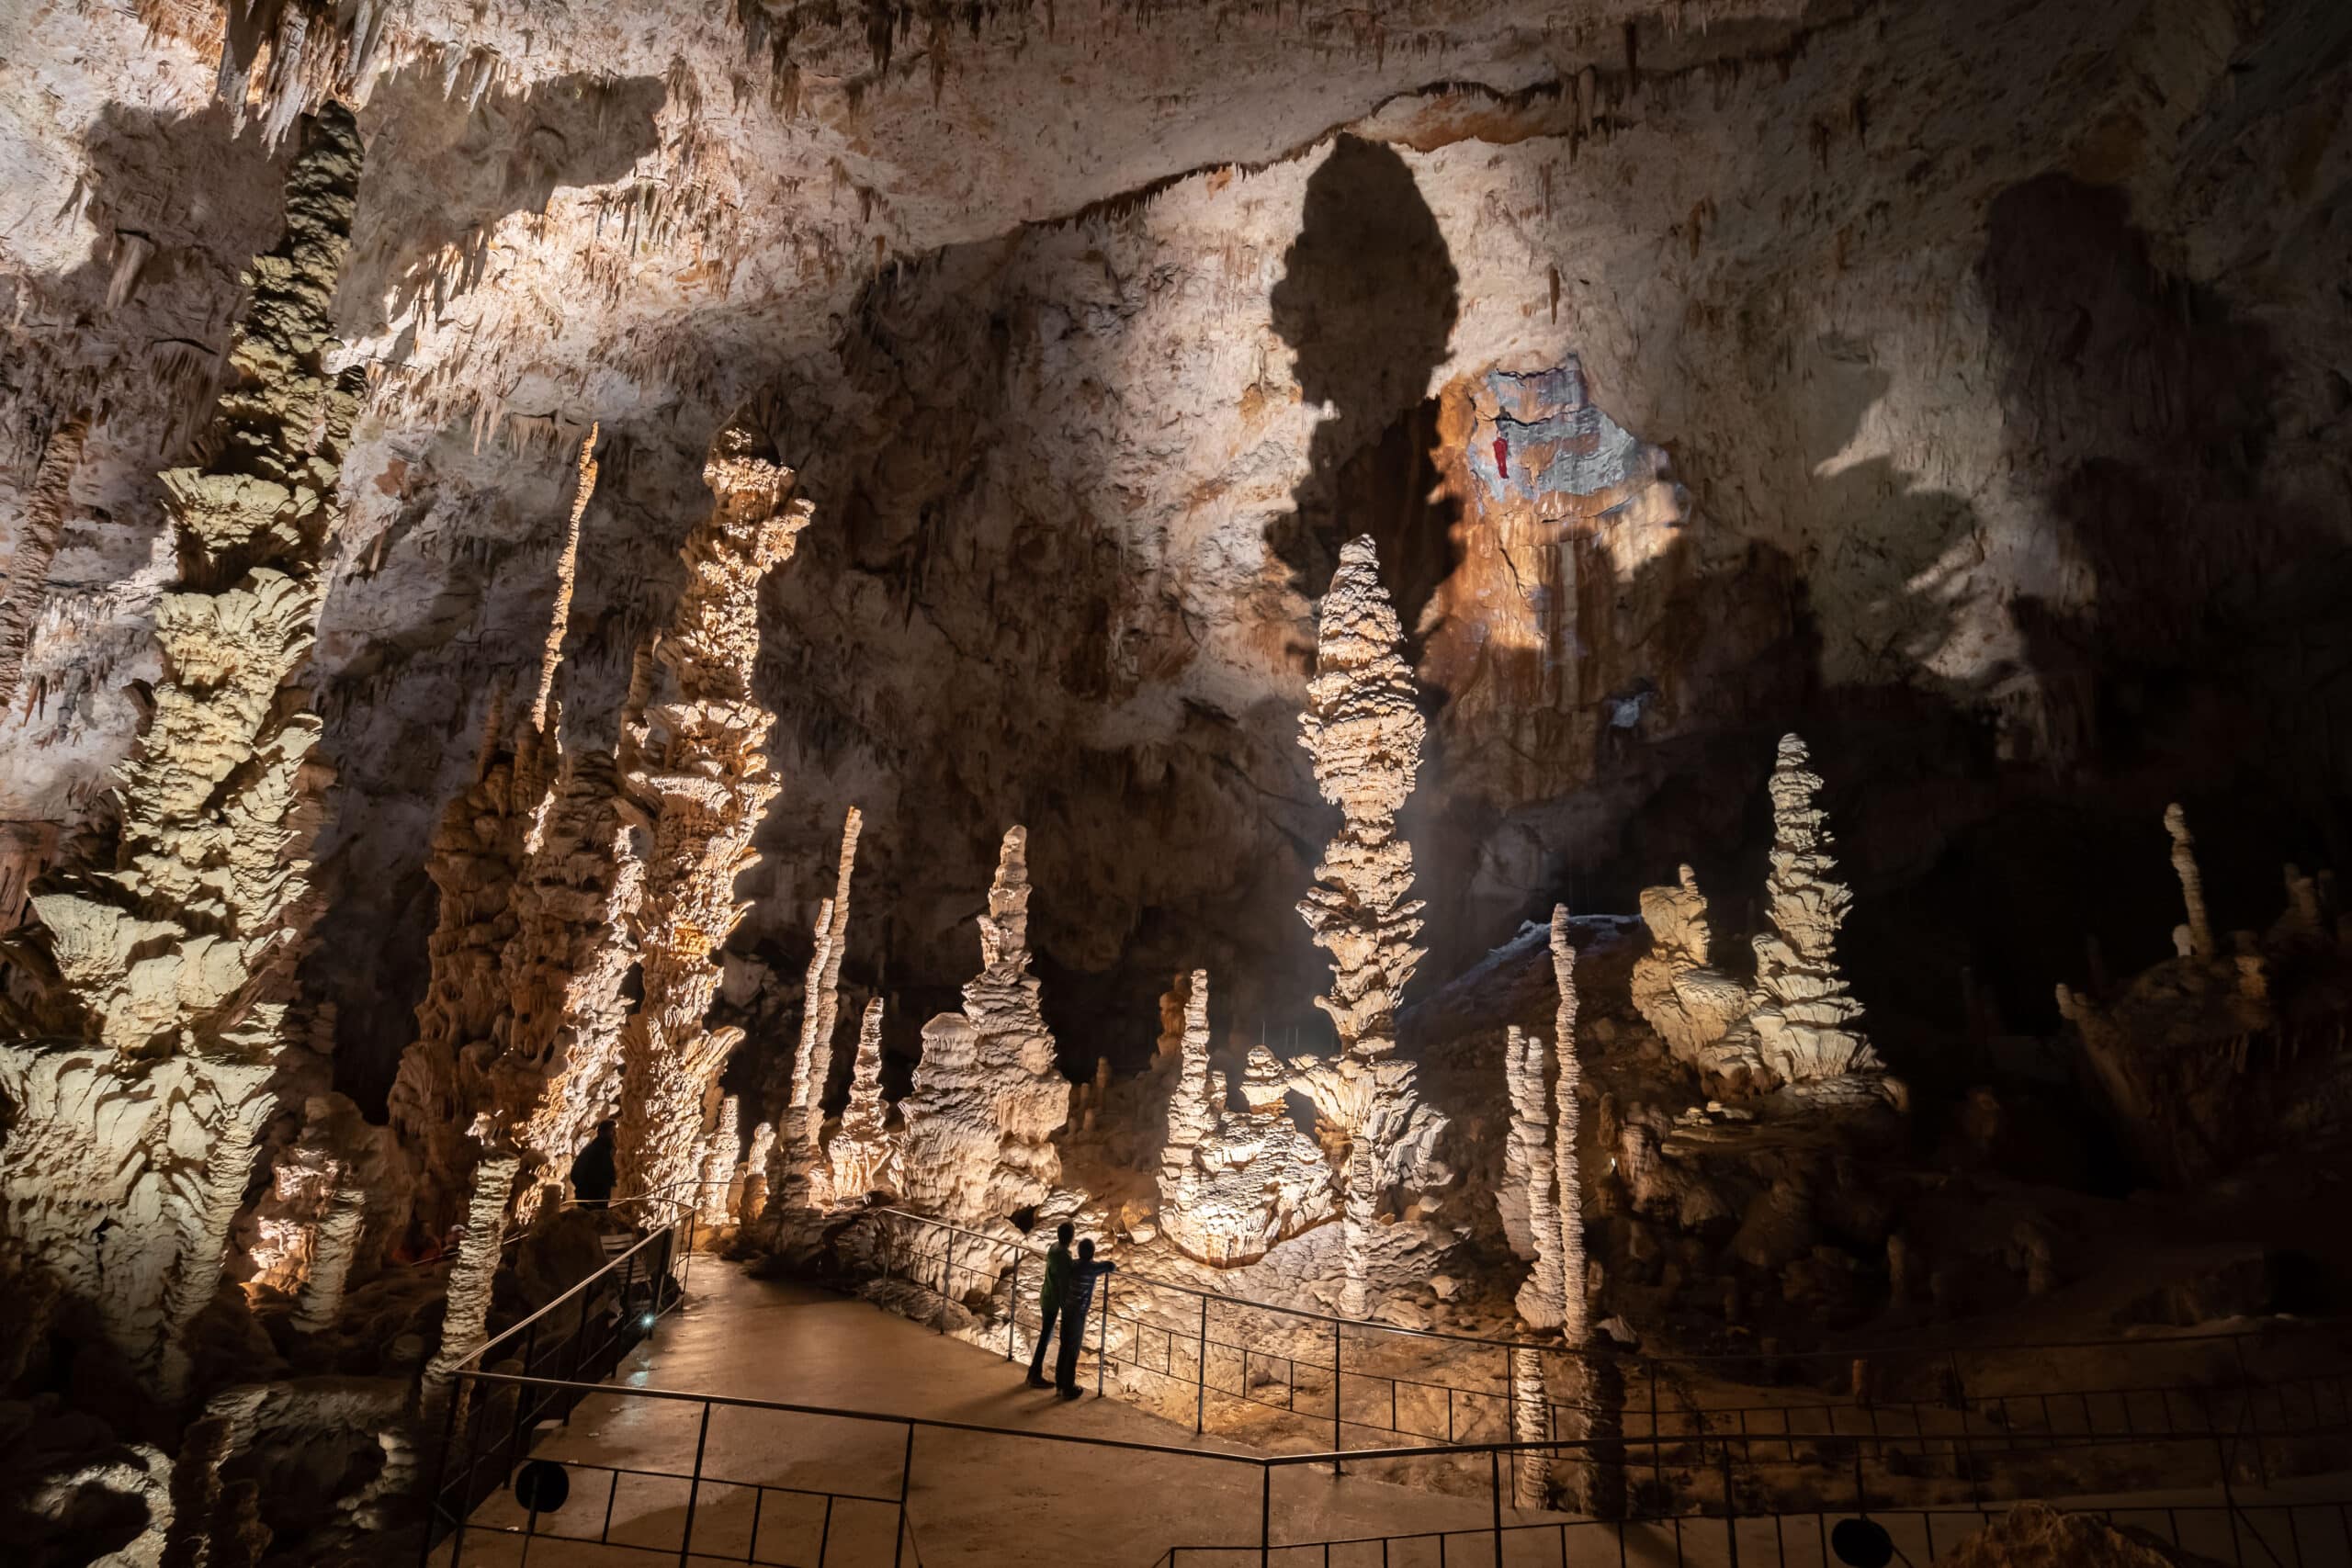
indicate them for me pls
(1367, 303)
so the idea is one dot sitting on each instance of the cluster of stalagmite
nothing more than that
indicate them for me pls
(537, 872)
(130, 1156)
(699, 767)
(800, 1182)
(987, 1098)
(1363, 731)
(1795, 1025)
(1804, 1013)
(1235, 1182)
(1540, 1156)
(863, 1157)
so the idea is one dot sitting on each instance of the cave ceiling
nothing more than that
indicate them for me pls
(1964, 384)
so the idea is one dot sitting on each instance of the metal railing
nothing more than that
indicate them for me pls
(1893, 1393)
(729, 1517)
(568, 1347)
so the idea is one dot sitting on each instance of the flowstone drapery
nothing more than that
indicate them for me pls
(1232, 1183)
(1804, 1013)
(988, 1097)
(1365, 732)
(129, 1157)
(796, 1174)
(699, 767)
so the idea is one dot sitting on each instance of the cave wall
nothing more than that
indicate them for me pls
(1968, 397)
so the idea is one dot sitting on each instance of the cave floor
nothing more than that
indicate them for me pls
(976, 1499)
(994, 1499)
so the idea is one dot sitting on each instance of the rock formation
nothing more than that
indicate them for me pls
(1235, 1182)
(987, 1098)
(467, 1310)
(1697, 1010)
(1363, 731)
(701, 772)
(722, 1151)
(2194, 938)
(1567, 1121)
(800, 1145)
(863, 1157)
(1528, 1173)
(43, 524)
(751, 1200)
(1804, 1015)
(494, 949)
(127, 1160)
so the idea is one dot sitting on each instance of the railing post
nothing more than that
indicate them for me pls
(1102, 1340)
(1201, 1399)
(1494, 1477)
(1338, 1442)
(1012, 1306)
(1731, 1512)
(440, 1480)
(1265, 1512)
(947, 1273)
(906, 1477)
(694, 1491)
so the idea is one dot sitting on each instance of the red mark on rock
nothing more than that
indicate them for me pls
(1502, 457)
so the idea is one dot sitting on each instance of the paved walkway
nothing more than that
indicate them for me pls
(975, 1499)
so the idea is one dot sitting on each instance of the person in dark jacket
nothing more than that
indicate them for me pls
(1049, 1299)
(1075, 1297)
(592, 1173)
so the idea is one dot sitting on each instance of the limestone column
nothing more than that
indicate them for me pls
(801, 1141)
(2198, 942)
(127, 1161)
(700, 770)
(862, 1152)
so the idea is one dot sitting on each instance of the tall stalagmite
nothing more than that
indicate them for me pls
(987, 1097)
(2195, 938)
(489, 861)
(800, 1145)
(1804, 1014)
(1365, 732)
(701, 771)
(1530, 1171)
(1568, 1208)
(862, 1153)
(129, 1155)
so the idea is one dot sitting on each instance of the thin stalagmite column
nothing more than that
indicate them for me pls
(800, 1143)
(699, 767)
(721, 1152)
(1530, 1167)
(129, 1155)
(1568, 1210)
(2199, 941)
(465, 1311)
(1804, 1014)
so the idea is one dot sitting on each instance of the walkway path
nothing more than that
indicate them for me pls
(976, 1500)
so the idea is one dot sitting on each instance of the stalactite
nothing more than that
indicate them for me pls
(41, 527)
(698, 764)
(125, 1167)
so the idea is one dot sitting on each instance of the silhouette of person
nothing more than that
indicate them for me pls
(1049, 1299)
(1075, 1297)
(592, 1172)
(1367, 303)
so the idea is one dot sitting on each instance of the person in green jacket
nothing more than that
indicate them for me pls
(1049, 1301)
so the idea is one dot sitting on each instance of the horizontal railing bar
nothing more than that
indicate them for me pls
(1848, 1353)
(709, 1480)
(511, 1330)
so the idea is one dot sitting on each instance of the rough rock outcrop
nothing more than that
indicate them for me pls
(988, 1097)
(699, 767)
(863, 1155)
(1235, 1182)
(1804, 1014)
(1363, 730)
(126, 1165)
